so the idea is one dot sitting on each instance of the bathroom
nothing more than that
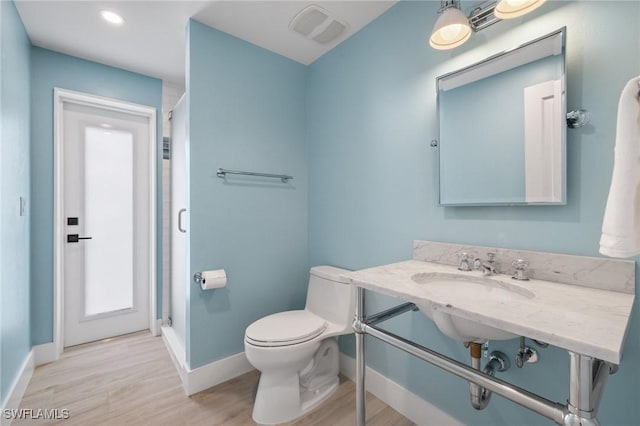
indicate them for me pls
(354, 130)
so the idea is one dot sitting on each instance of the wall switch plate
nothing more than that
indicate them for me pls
(23, 206)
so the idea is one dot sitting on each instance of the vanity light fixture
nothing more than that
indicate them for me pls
(507, 9)
(112, 17)
(453, 28)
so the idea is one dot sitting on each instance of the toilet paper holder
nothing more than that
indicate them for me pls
(209, 280)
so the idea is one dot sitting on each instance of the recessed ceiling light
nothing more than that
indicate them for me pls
(112, 17)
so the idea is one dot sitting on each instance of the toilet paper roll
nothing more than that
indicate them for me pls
(213, 279)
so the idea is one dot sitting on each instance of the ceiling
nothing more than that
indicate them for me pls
(152, 39)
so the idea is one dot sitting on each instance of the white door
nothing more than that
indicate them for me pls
(106, 214)
(543, 144)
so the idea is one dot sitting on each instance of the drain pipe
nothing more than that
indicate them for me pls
(480, 396)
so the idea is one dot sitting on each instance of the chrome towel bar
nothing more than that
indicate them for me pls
(223, 172)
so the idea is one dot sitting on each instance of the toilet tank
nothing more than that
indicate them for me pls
(330, 296)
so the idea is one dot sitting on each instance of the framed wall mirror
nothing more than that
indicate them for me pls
(502, 124)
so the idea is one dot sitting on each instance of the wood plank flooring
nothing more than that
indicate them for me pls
(131, 380)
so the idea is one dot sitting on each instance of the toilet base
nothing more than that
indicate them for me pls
(285, 395)
(311, 399)
(285, 402)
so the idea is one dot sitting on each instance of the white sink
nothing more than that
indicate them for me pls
(470, 287)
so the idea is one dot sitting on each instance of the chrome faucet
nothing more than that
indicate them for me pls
(488, 267)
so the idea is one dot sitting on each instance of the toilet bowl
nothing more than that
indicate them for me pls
(297, 351)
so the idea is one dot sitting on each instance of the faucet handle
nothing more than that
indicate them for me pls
(464, 261)
(520, 265)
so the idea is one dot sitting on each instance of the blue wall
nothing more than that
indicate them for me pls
(14, 166)
(49, 70)
(373, 184)
(246, 111)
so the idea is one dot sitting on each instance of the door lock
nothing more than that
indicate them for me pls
(74, 238)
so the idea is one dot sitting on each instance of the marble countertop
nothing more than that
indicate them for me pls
(588, 321)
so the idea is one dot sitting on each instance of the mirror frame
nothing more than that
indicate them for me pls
(562, 32)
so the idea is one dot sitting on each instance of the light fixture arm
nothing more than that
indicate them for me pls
(482, 16)
(447, 4)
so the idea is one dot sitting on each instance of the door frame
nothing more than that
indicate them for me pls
(60, 97)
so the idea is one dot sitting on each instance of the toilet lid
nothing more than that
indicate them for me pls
(285, 328)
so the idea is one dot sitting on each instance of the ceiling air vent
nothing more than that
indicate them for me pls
(318, 24)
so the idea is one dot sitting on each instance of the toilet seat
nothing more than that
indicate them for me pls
(285, 328)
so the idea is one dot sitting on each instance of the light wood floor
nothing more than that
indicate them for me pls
(132, 380)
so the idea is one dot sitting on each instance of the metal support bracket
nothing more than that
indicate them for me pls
(587, 375)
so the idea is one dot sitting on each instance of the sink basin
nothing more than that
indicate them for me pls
(476, 289)
(474, 286)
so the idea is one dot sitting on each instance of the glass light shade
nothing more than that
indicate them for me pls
(507, 9)
(450, 30)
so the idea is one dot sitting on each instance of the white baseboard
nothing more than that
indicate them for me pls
(16, 392)
(216, 372)
(400, 399)
(45, 353)
(176, 349)
(201, 378)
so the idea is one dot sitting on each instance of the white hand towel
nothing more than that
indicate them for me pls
(621, 224)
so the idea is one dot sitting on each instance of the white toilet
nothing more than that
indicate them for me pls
(297, 351)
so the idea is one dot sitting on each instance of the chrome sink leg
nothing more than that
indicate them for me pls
(358, 324)
(587, 378)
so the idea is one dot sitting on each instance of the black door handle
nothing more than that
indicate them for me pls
(74, 238)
